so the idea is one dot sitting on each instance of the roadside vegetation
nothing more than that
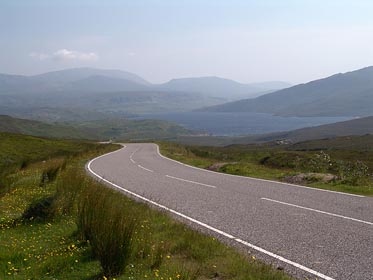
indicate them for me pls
(341, 164)
(58, 223)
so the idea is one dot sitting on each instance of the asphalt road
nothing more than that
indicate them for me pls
(308, 232)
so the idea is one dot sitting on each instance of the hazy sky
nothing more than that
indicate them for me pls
(245, 40)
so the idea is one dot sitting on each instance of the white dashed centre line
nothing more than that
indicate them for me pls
(192, 182)
(319, 211)
(131, 159)
(142, 167)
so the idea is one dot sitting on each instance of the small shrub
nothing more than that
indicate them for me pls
(49, 174)
(320, 162)
(264, 160)
(200, 153)
(355, 173)
(282, 160)
(24, 164)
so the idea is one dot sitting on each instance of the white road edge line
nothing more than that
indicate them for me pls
(257, 179)
(318, 274)
(318, 211)
(142, 167)
(188, 181)
(297, 265)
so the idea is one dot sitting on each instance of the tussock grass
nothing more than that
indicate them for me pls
(68, 188)
(107, 226)
(101, 219)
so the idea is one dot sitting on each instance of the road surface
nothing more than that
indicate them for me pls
(308, 232)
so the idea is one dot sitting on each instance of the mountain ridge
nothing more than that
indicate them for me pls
(219, 87)
(104, 91)
(347, 94)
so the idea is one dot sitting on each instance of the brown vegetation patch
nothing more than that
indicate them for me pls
(310, 177)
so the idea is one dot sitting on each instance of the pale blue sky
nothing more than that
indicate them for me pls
(245, 40)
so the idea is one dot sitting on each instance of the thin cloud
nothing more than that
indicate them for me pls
(39, 56)
(66, 55)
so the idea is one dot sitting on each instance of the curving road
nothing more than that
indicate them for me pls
(309, 232)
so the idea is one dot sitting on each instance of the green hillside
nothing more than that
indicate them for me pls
(35, 128)
(359, 126)
(121, 129)
(17, 150)
(362, 143)
(348, 94)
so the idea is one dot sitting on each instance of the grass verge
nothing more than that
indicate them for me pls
(338, 170)
(72, 227)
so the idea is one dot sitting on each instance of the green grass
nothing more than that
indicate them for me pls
(102, 129)
(18, 149)
(352, 167)
(79, 238)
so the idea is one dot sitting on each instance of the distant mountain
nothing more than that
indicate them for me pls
(103, 84)
(71, 80)
(109, 92)
(121, 129)
(10, 84)
(75, 74)
(88, 79)
(221, 88)
(349, 94)
(271, 85)
(114, 93)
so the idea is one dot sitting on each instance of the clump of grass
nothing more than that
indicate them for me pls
(109, 229)
(4, 184)
(112, 245)
(49, 175)
(68, 188)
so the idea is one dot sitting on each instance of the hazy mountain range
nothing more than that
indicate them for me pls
(115, 92)
(87, 94)
(222, 88)
(348, 94)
